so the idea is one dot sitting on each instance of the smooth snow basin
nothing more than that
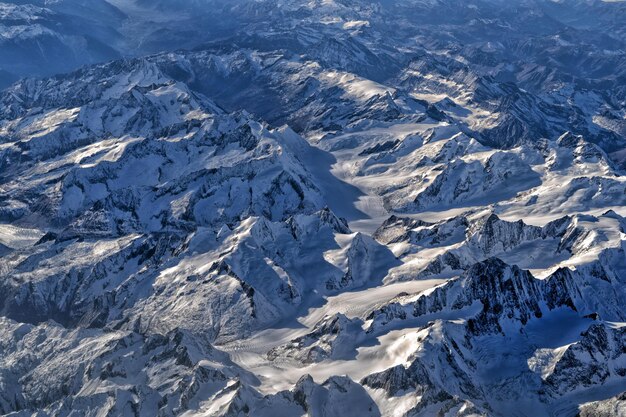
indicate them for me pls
(18, 237)
(374, 354)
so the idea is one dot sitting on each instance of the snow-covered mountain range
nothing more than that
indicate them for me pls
(317, 208)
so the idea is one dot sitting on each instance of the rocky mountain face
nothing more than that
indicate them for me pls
(326, 208)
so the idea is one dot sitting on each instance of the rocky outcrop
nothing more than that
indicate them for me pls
(332, 338)
(611, 407)
(596, 359)
(506, 295)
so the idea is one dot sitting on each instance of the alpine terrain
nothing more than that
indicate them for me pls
(322, 208)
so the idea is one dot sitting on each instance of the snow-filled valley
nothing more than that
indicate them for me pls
(324, 208)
